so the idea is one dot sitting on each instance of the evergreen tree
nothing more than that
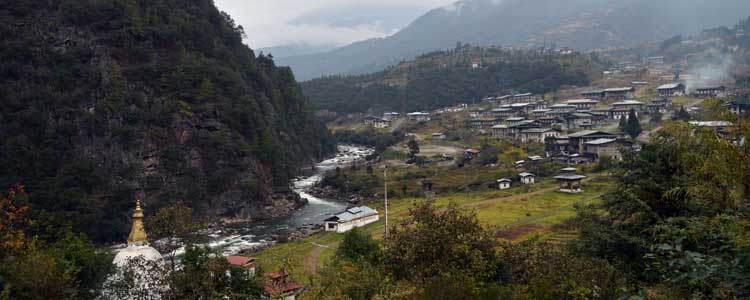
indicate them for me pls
(413, 147)
(682, 114)
(656, 117)
(634, 125)
(623, 124)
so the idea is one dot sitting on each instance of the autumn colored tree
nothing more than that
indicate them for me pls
(14, 220)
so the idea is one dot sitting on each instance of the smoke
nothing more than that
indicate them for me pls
(712, 69)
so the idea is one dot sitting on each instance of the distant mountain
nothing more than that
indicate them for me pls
(295, 50)
(444, 78)
(581, 24)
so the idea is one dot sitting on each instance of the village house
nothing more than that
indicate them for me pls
(472, 153)
(381, 123)
(527, 178)
(582, 103)
(579, 121)
(244, 263)
(619, 93)
(526, 97)
(671, 90)
(639, 83)
(623, 108)
(503, 99)
(663, 102)
(719, 92)
(537, 135)
(438, 136)
(539, 113)
(656, 60)
(514, 121)
(609, 147)
(351, 218)
(593, 94)
(503, 183)
(721, 127)
(476, 63)
(604, 112)
(570, 183)
(281, 287)
(548, 121)
(739, 107)
(483, 123)
(502, 112)
(578, 140)
(418, 116)
(390, 115)
(556, 146)
(477, 113)
(562, 108)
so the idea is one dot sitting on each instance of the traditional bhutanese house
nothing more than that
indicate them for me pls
(629, 104)
(503, 99)
(721, 127)
(537, 135)
(526, 97)
(447, 157)
(556, 146)
(472, 153)
(514, 121)
(579, 139)
(502, 112)
(582, 103)
(370, 120)
(711, 92)
(438, 136)
(281, 287)
(503, 131)
(598, 148)
(350, 218)
(503, 184)
(538, 113)
(739, 107)
(604, 111)
(570, 183)
(483, 123)
(390, 115)
(656, 60)
(579, 121)
(664, 103)
(418, 116)
(477, 113)
(562, 108)
(524, 107)
(671, 89)
(247, 264)
(638, 83)
(619, 93)
(548, 121)
(618, 113)
(593, 94)
(527, 178)
(381, 123)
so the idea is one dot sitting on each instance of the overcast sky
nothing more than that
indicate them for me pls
(322, 22)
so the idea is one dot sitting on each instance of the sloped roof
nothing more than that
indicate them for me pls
(669, 86)
(570, 177)
(353, 213)
(526, 174)
(589, 132)
(239, 260)
(582, 101)
(601, 141)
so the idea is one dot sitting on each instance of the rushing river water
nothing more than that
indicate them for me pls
(254, 235)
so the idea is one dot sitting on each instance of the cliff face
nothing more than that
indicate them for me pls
(106, 100)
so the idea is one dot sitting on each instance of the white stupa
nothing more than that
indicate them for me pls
(137, 243)
(144, 265)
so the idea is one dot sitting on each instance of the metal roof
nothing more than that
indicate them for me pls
(504, 180)
(669, 86)
(526, 174)
(588, 132)
(581, 101)
(600, 141)
(353, 213)
(570, 177)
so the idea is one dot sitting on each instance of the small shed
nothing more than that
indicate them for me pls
(570, 183)
(527, 178)
(503, 184)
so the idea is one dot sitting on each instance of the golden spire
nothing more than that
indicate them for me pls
(137, 233)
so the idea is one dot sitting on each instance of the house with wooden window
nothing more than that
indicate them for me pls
(671, 90)
(719, 92)
(503, 183)
(569, 183)
(740, 107)
(351, 218)
(537, 135)
(243, 263)
(578, 140)
(618, 93)
(609, 147)
(281, 286)
(502, 112)
(583, 104)
(390, 115)
(527, 178)
(418, 116)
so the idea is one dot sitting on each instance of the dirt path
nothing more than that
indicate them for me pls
(311, 260)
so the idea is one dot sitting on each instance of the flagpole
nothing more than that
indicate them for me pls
(385, 181)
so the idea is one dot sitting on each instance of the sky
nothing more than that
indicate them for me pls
(322, 22)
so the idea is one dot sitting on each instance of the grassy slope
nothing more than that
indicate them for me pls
(538, 204)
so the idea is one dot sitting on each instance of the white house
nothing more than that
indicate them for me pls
(503, 184)
(527, 178)
(353, 217)
(418, 116)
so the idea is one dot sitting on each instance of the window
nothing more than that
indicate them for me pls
(331, 225)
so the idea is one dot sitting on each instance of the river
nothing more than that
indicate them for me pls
(257, 234)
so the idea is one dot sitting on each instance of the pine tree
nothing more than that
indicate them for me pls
(682, 114)
(634, 125)
(623, 124)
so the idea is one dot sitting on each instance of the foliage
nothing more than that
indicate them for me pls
(13, 221)
(682, 114)
(413, 147)
(431, 83)
(633, 127)
(358, 246)
(656, 117)
(98, 87)
(369, 137)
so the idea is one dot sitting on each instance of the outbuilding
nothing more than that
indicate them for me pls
(527, 178)
(570, 183)
(351, 218)
(503, 184)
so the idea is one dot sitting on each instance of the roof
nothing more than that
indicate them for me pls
(711, 123)
(589, 132)
(569, 169)
(628, 102)
(520, 104)
(600, 141)
(538, 130)
(562, 105)
(501, 126)
(472, 151)
(353, 213)
(721, 87)
(504, 180)
(582, 101)
(593, 92)
(570, 177)
(522, 95)
(515, 119)
(239, 260)
(419, 113)
(526, 174)
(669, 86)
(502, 110)
(622, 89)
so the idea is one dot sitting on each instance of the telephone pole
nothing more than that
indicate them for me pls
(385, 184)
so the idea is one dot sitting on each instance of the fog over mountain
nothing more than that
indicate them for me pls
(581, 24)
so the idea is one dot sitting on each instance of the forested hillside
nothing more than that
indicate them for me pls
(444, 78)
(107, 100)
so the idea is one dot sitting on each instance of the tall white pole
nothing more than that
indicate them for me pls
(385, 181)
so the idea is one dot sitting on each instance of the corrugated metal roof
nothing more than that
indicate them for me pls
(353, 213)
